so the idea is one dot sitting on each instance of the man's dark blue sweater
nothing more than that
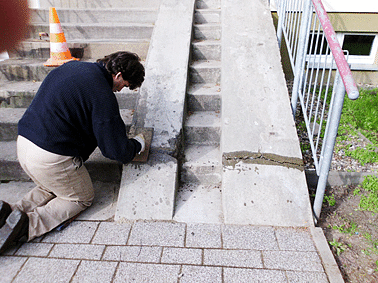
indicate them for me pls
(74, 111)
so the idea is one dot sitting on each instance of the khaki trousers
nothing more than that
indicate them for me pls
(64, 187)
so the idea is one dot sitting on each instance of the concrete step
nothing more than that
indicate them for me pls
(199, 203)
(9, 118)
(100, 168)
(17, 94)
(208, 4)
(20, 94)
(80, 4)
(203, 128)
(206, 50)
(110, 15)
(202, 165)
(205, 72)
(204, 97)
(205, 16)
(98, 31)
(23, 70)
(81, 48)
(207, 31)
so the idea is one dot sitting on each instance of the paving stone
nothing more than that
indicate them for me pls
(233, 258)
(34, 249)
(240, 275)
(112, 233)
(78, 232)
(204, 274)
(40, 270)
(182, 256)
(133, 253)
(295, 261)
(203, 236)
(74, 251)
(157, 234)
(313, 277)
(138, 272)
(9, 266)
(295, 239)
(95, 271)
(249, 237)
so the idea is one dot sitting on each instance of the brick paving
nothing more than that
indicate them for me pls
(158, 251)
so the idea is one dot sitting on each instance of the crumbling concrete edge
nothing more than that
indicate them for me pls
(329, 263)
(232, 158)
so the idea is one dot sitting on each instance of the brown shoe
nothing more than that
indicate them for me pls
(15, 225)
(5, 210)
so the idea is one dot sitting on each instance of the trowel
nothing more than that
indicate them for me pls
(147, 134)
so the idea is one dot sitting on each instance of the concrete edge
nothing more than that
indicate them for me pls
(328, 261)
(336, 178)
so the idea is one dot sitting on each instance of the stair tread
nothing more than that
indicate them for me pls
(202, 155)
(13, 115)
(203, 119)
(207, 42)
(102, 24)
(8, 152)
(18, 86)
(206, 64)
(204, 89)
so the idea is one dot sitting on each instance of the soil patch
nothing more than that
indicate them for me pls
(351, 233)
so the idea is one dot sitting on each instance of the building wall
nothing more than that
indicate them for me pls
(348, 22)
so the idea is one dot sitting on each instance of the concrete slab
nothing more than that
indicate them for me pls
(31, 271)
(133, 253)
(147, 190)
(94, 271)
(203, 235)
(205, 274)
(162, 95)
(255, 99)
(146, 272)
(197, 203)
(181, 256)
(265, 195)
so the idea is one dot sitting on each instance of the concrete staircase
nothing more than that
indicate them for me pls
(199, 197)
(239, 164)
(92, 31)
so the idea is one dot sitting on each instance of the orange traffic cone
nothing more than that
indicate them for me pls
(59, 52)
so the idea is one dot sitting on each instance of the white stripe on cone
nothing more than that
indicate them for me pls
(58, 46)
(56, 28)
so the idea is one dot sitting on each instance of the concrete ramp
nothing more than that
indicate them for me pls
(148, 190)
(263, 181)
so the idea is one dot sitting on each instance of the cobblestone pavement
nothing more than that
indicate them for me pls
(156, 251)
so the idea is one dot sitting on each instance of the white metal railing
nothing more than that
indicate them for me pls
(321, 78)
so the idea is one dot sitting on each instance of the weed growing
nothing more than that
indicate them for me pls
(360, 117)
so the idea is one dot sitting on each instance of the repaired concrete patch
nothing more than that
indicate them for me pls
(232, 158)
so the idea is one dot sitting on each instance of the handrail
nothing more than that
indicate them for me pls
(338, 54)
(321, 78)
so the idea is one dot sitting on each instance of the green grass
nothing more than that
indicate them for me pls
(368, 191)
(361, 116)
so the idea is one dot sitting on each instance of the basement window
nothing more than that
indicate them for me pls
(362, 48)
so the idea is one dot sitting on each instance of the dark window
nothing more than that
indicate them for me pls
(316, 42)
(358, 44)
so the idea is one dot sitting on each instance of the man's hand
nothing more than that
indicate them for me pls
(140, 138)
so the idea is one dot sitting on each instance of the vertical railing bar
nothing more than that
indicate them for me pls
(329, 112)
(297, 25)
(303, 38)
(320, 90)
(315, 80)
(292, 18)
(330, 144)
